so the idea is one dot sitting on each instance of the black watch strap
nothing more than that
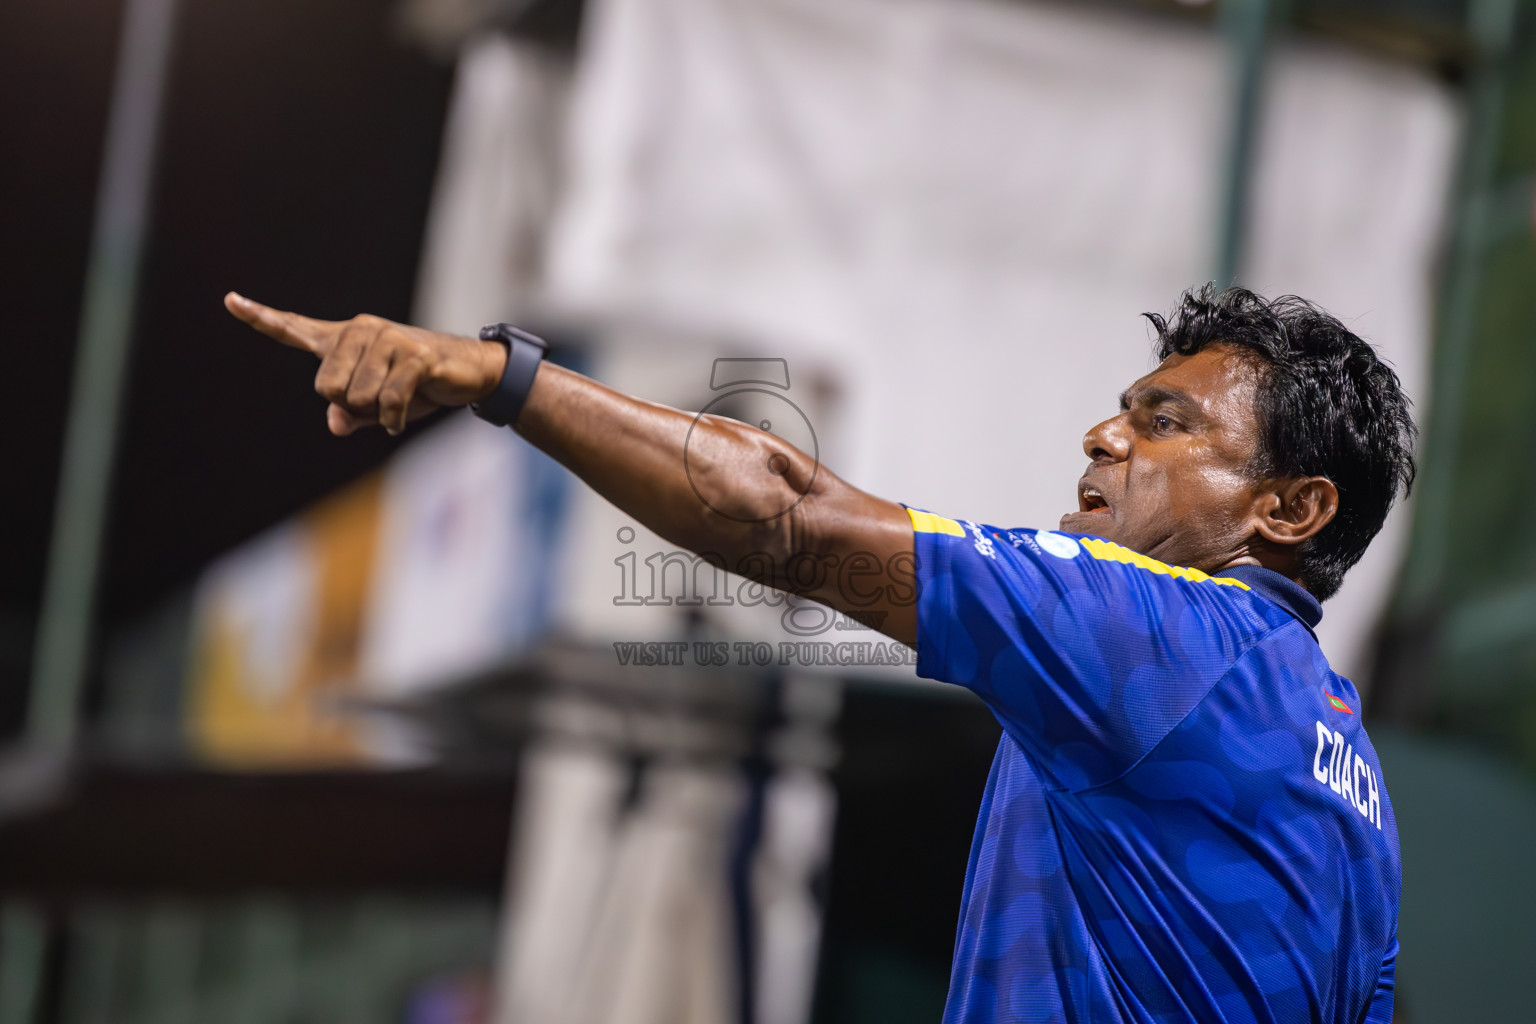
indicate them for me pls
(524, 354)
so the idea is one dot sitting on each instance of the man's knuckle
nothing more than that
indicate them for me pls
(327, 386)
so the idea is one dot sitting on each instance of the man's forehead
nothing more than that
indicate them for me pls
(1213, 374)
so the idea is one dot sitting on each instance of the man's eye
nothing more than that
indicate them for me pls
(1162, 424)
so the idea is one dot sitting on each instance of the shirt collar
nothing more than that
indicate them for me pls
(1288, 594)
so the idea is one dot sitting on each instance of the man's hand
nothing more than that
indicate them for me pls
(374, 370)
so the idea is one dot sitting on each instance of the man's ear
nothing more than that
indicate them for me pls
(1296, 509)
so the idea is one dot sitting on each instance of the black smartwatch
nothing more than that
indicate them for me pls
(524, 354)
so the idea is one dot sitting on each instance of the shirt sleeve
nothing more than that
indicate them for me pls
(1088, 653)
(1380, 1010)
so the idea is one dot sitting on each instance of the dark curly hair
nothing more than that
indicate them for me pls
(1327, 406)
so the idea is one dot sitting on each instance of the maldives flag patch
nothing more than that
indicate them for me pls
(1338, 705)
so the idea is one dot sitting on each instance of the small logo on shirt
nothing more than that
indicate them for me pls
(1058, 544)
(1338, 705)
(983, 542)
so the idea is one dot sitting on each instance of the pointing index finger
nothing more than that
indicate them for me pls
(311, 335)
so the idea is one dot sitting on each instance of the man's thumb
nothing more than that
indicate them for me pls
(343, 422)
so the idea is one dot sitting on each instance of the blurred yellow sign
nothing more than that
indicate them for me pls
(277, 636)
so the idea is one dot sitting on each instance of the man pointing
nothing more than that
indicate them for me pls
(1185, 819)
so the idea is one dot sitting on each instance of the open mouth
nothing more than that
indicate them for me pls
(1090, 500)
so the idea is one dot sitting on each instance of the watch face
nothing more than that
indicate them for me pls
(736, 492)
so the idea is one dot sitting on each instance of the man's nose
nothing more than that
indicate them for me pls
(1110, 440)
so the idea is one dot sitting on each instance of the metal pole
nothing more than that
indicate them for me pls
(1493, 24)
(23, 944)
(1245, 24)
(64, 632)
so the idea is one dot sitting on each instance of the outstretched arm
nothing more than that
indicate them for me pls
(836, 544)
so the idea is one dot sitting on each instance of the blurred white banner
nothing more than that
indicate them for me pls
(962, 206)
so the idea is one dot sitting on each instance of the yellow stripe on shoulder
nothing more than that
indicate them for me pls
(1107, 551)
(927, 522)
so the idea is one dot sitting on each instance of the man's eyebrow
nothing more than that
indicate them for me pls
(1155, 395)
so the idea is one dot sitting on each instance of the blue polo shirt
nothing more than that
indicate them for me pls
(1185, 820)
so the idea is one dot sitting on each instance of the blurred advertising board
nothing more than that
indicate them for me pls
(434, 568)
